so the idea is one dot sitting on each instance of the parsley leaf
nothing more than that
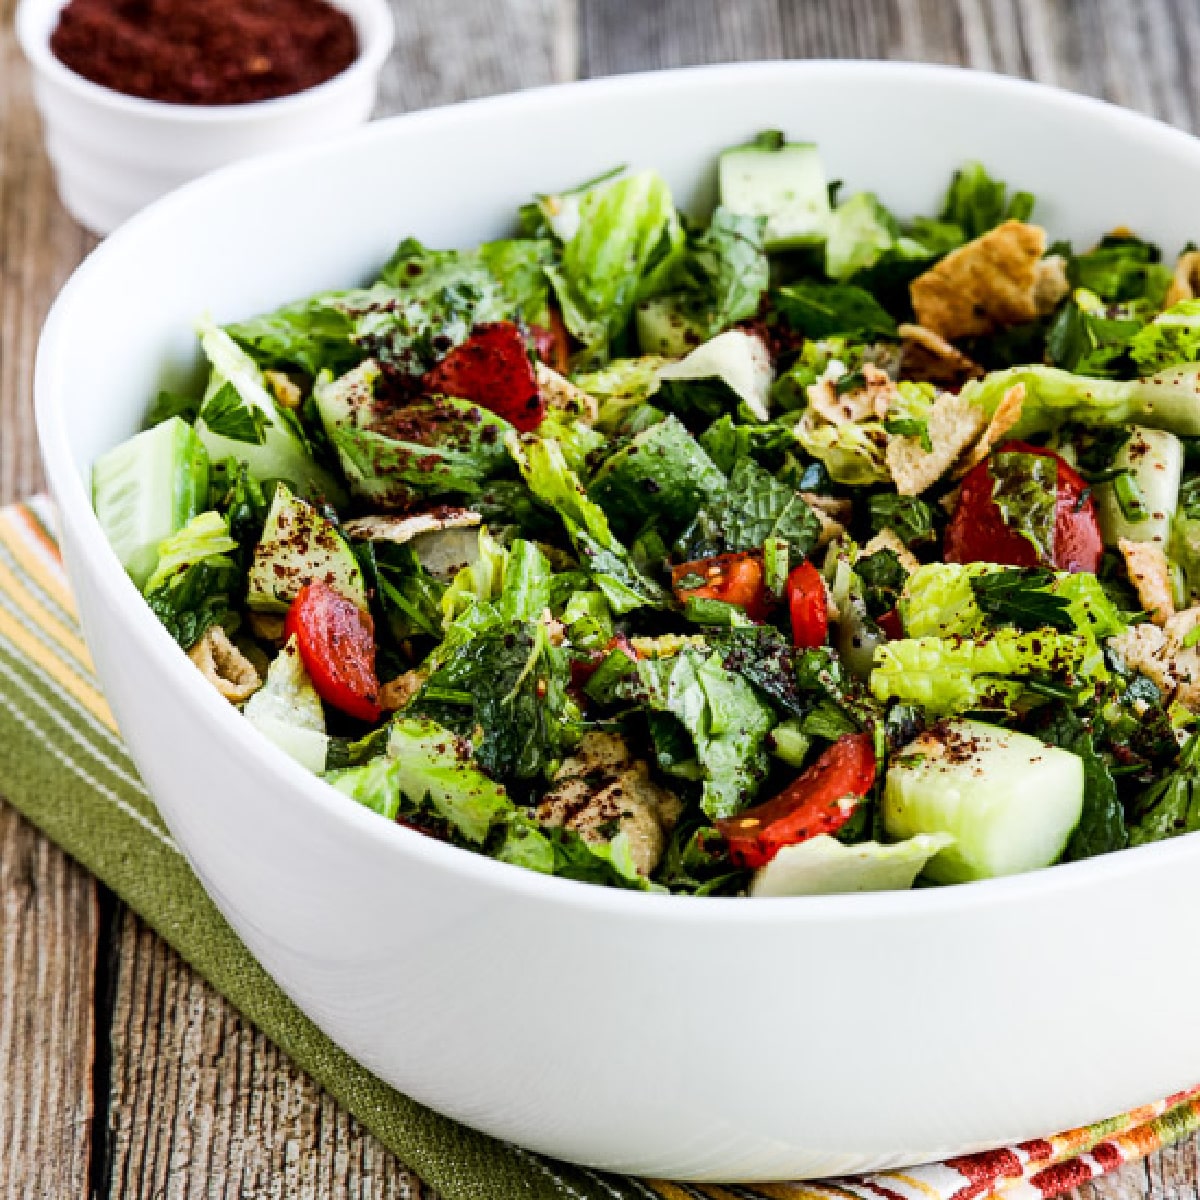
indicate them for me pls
(1018, 597)
(227, 414)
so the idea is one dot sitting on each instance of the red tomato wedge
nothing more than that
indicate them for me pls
(553, 343)
(733, 578)
(807, 607)
(336, 640)
(821, 800)
(582, 669)
(977, 532)
(492, 369)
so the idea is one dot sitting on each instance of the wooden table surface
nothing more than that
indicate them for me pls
(122, 1074)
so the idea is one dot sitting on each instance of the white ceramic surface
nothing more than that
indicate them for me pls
(716, 1038)
(114, 154)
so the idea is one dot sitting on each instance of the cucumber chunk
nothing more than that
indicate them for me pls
(1154, 458)
(1009, 800)
(663, 472)
(822, 866)
(782, 181)
(664, 329)
(148, 488)
(734, 366)
(299, 546)
(288, 711)
(281, 454)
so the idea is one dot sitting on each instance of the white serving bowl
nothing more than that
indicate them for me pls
(113, 154)
(720, 1038)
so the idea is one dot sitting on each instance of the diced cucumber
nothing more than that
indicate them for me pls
(299, 546)
(393, 458)
(148, 488)
(1154, 458)
(663, 328)
(789, 743)
(281, 454)
(822, 866)
(734, 366)
(663, 472)
(782, 181)
(1009, 800)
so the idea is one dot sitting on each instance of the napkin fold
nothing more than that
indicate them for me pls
(63, 766)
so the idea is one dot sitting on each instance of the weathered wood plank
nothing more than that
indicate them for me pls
(203, 1105)
(446, 53)
(48, 927)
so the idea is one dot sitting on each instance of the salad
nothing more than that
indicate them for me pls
(802, 548)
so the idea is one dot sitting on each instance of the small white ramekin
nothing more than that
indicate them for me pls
(113, 154)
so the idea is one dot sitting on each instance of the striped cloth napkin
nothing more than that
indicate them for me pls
(63, 766)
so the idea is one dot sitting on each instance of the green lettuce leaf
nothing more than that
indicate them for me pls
(1172, 805)
(818, 310)
(1173, 337)
(1101, 827)
(1024, 489)
(374, 784)
(724, 717)
(506, 688)
(607, 561)
(622, 250)
(195, 582)
(953, 675)
(517, 266)
(976, 202)
(1090, 337)
(754, 508)
(1168, 400)
(1121, 268)
(723, 274)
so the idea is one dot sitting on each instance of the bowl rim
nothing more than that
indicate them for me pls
(374, 26)
(75, 511)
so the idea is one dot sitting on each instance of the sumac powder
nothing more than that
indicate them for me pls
(205, 51)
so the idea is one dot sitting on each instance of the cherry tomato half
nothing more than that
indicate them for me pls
(492, 369)
(336, 640)
(807, 607)
(821, 800)
(733, 578)
(978, 533)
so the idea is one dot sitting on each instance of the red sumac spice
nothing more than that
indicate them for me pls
(205, 51)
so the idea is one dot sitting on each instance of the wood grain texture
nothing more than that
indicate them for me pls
(48, 929)
(203, 1105)
(49, 920)
(191, 1102)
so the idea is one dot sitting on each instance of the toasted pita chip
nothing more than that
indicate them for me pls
(1151, 578)
(982, 286)
(1007, 414)
(1050, 283)
(1185, 280)
(889, 539)
(953, 425)
(225, 666)
(927, 357)
(871, 400)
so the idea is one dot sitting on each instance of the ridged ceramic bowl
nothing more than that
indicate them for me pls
(113, 154)
(702, 1038)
